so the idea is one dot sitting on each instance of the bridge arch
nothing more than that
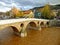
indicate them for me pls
(47, 23)
(14, 28)
(27, 26)
(21, 25)
(42, 24)
(31, 25)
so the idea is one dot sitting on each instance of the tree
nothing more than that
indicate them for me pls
(7, 13)
(16, 12)
(47, 12)
(21, 14)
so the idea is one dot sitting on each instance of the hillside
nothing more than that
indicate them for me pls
(55, 6)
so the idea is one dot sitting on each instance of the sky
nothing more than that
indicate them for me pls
(6, 5)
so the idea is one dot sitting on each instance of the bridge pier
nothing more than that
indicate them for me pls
(23, 33)
(39, 28)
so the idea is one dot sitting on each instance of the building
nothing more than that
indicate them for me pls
(28, 14)
(37, 12)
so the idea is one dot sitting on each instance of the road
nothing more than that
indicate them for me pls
(47, 36)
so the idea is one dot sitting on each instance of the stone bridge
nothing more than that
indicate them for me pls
(20, 26)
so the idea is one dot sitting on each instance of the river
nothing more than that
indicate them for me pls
(47, 36)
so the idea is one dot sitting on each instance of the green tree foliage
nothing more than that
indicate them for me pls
(47, 13)
(7, 13)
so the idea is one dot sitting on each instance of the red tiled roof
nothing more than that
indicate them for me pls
(27, 12)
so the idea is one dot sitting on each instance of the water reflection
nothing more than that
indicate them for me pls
(48, 36)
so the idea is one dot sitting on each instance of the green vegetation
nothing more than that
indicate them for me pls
(47, 13)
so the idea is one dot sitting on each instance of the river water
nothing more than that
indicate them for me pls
(47, 36)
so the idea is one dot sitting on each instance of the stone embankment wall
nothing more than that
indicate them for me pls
(55, 22)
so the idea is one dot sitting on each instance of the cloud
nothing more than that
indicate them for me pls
(26, 7)
(2, 3)
(24, 4)
(4, 6)
(53, 2)
(5, 9)
(29, 2)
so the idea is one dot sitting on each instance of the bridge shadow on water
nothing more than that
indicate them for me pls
(47, 36)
